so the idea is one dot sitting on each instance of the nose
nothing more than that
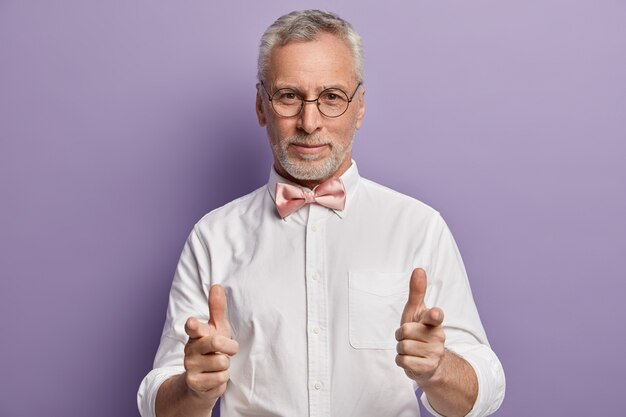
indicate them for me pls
(310, 118)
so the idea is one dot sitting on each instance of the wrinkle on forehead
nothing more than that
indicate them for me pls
(313, 65)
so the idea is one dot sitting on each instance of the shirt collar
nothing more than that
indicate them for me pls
(350, 180)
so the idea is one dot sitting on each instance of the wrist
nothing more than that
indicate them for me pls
(202, 399)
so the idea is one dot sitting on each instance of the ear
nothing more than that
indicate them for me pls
(361, 111)
(260, 112)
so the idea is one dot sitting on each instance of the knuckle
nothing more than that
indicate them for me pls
(219, 378)
(223, 362)
(225, 344)
(400, 361)
(403, 331)
(192, 381)
(224, 377)
(216, 343)
(187, 363)
(403, 347)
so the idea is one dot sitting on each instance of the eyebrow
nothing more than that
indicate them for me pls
(293, 87)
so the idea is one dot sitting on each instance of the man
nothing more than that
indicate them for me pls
(317, 283)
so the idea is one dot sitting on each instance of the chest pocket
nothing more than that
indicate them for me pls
(376, 301)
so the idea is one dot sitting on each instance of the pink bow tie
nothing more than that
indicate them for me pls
(289, 198)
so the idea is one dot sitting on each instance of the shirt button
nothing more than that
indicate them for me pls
(316, 330)
(318, 386)
(314, 228)
(315, 276)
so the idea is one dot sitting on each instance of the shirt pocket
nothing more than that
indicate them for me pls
(375, 304)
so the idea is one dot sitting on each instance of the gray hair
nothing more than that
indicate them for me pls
(304, 26)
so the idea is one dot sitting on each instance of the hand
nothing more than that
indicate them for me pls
(420, 336)
(208, 351)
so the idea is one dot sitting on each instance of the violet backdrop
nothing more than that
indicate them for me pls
(123, 122)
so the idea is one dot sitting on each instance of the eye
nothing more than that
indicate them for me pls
(332, 96)
(287, 97)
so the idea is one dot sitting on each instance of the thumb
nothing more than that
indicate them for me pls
(432, 317)
(195, 329)
(415, 304)
(217, 310)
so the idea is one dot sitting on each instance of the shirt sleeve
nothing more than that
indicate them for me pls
(449, 289)
(188, 297)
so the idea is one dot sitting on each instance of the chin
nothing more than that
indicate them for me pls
(308, 171)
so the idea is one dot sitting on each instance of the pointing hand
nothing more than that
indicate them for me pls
(420, 336)
(208, 351)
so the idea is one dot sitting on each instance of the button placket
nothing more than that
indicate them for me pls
(318, 357)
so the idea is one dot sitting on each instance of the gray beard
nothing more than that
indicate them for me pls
(301, 170)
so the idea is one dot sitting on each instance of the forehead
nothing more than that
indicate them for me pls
(322, 62)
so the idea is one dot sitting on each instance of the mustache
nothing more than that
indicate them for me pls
(311, 140)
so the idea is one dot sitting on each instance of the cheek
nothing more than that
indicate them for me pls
(345, 132)
(279, 129)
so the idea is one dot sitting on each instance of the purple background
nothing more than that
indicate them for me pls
(121, 123)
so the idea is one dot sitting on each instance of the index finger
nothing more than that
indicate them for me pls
(417, 290)
(217, 309)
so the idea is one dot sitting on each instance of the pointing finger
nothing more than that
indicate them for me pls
(217, 310)
(417, 289)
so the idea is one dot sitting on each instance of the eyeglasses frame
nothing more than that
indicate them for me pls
(317, 100)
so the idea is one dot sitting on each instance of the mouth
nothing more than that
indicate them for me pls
(308, 149)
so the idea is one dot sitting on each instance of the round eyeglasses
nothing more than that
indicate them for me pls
(332, 102)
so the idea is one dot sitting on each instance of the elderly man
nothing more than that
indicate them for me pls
(317, 282)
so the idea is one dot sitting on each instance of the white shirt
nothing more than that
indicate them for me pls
(314, 301)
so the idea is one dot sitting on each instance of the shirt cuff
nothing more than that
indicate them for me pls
(490, 376)
(146, 396)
